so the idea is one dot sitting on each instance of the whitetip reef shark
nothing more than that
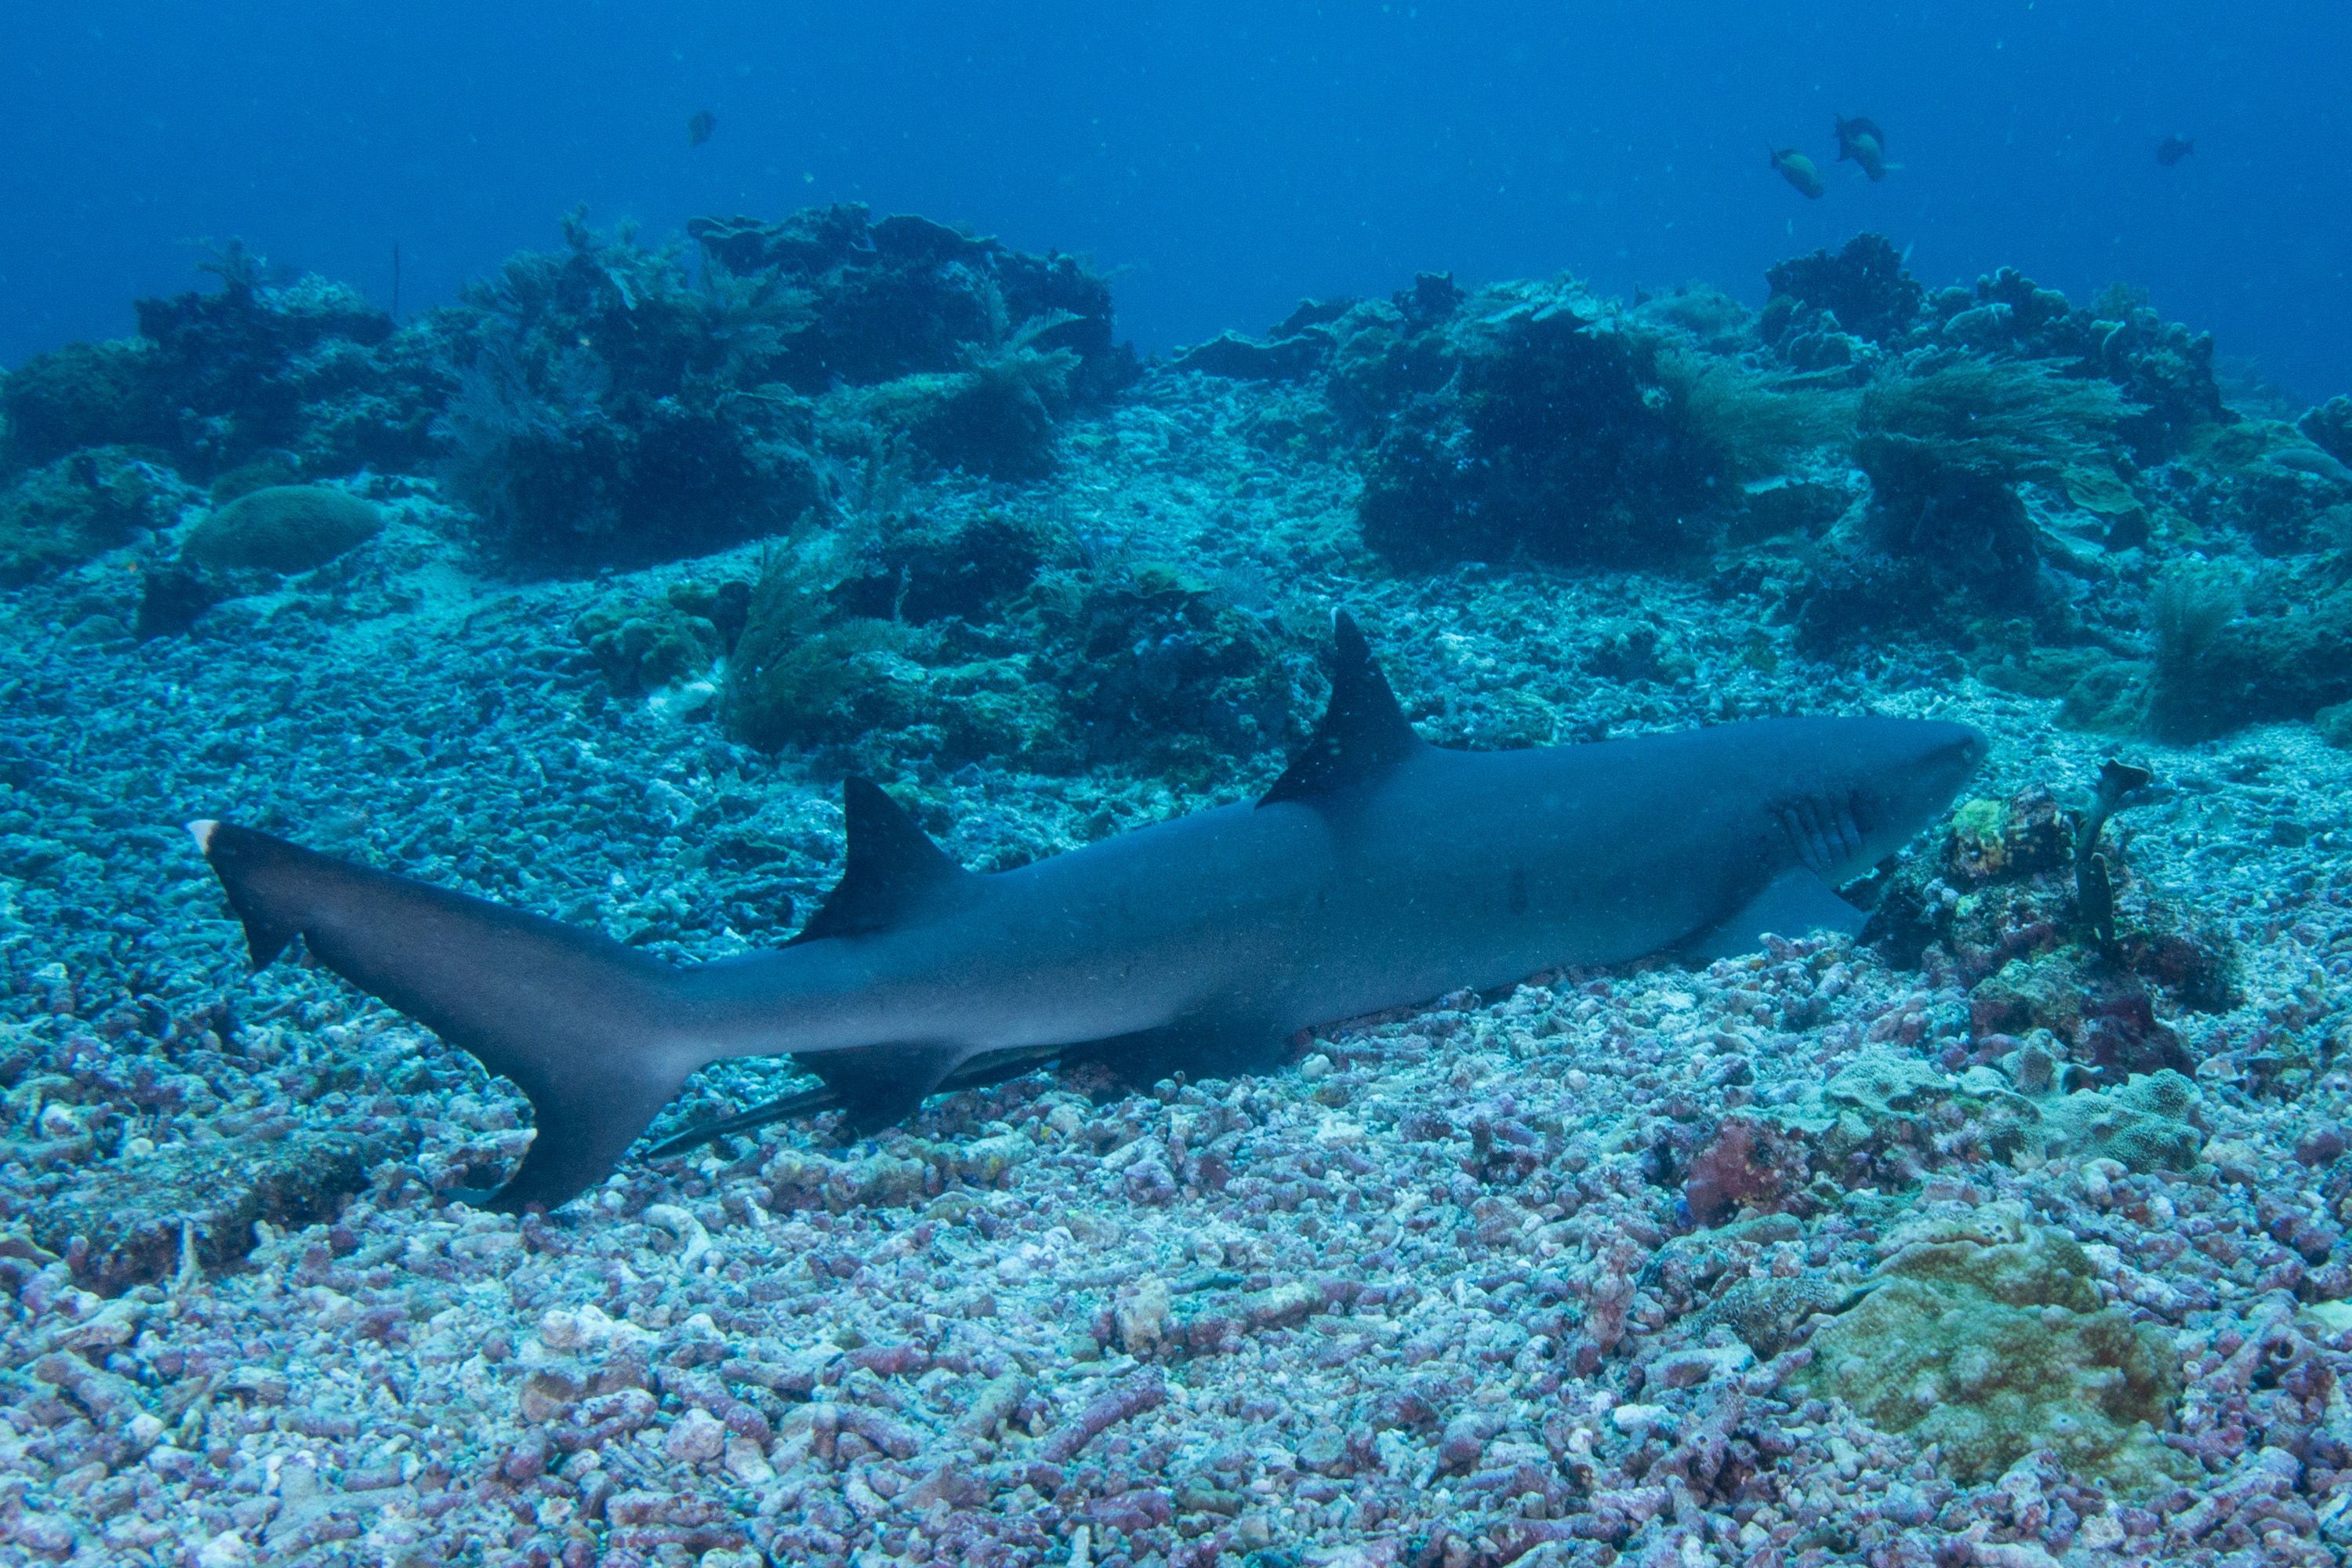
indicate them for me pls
(1380, 872)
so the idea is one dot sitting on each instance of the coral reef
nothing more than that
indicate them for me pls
(78, 506)
(1541, 440)
(213, 378)
(2328, 427)
(2160, 367)
(83, 394)
(907, 296)
(1863, 290)
(1947, 440)
(670, 645)
(802, 673)
(607, 412)
(1126, 662)
(2217, 668)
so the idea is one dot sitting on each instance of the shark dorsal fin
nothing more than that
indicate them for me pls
(1363, 732)
(893, 871)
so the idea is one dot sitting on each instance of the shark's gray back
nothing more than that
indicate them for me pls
(1453, 868)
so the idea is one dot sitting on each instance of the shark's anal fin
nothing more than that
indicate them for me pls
(893, 871)
(1791, 904)
(880, 1086)
(1363, 732)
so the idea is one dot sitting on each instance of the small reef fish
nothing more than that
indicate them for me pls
(1862, 140)
(1378, 871)
(700, 126)
(1799, 171)
(2173, 149)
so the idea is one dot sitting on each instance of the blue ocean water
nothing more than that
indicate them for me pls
(1231, 158)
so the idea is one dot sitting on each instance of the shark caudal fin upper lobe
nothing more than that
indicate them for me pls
(581, 1023)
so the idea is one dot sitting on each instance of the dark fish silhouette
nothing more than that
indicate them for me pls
(1378, 871)
(1862, 140)
(699, 127)
(1799, 171)
(2173, 149)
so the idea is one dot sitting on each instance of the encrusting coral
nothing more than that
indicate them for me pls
(1991, 1342)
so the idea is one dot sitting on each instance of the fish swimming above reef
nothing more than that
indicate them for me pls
(1799, 171)
(2173, 149)
(698, 127)
(1862, 140)
(1378, 871)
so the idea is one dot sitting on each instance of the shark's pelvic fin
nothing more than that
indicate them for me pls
(574, 1018)
(894, 871)
(1791, 904)
(880, 1086)
(1363, 732)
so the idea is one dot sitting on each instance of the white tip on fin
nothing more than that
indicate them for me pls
(201, 832)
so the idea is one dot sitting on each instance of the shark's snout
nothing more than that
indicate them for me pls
(1960, 755)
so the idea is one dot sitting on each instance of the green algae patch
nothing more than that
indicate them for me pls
(1991, 1344)
(283, 528)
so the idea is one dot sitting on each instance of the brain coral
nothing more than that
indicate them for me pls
(1992, 1348)
(283, 528)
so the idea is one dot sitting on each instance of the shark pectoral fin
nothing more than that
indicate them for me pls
(977, 1073)
(880, 1086)
(1791, 904)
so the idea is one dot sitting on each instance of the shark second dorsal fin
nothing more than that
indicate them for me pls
(1363, 732)
(893, 871)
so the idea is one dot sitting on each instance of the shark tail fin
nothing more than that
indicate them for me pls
(583, 1025)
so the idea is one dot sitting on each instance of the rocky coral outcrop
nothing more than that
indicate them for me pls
(263, 361)
(1542, 438)
(1121, 662)
(2291, 659)
(78, 506)
(192, 1207)
(901, 296)
(1862, 289)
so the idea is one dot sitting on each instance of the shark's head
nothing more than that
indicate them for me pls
(1860, 789)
